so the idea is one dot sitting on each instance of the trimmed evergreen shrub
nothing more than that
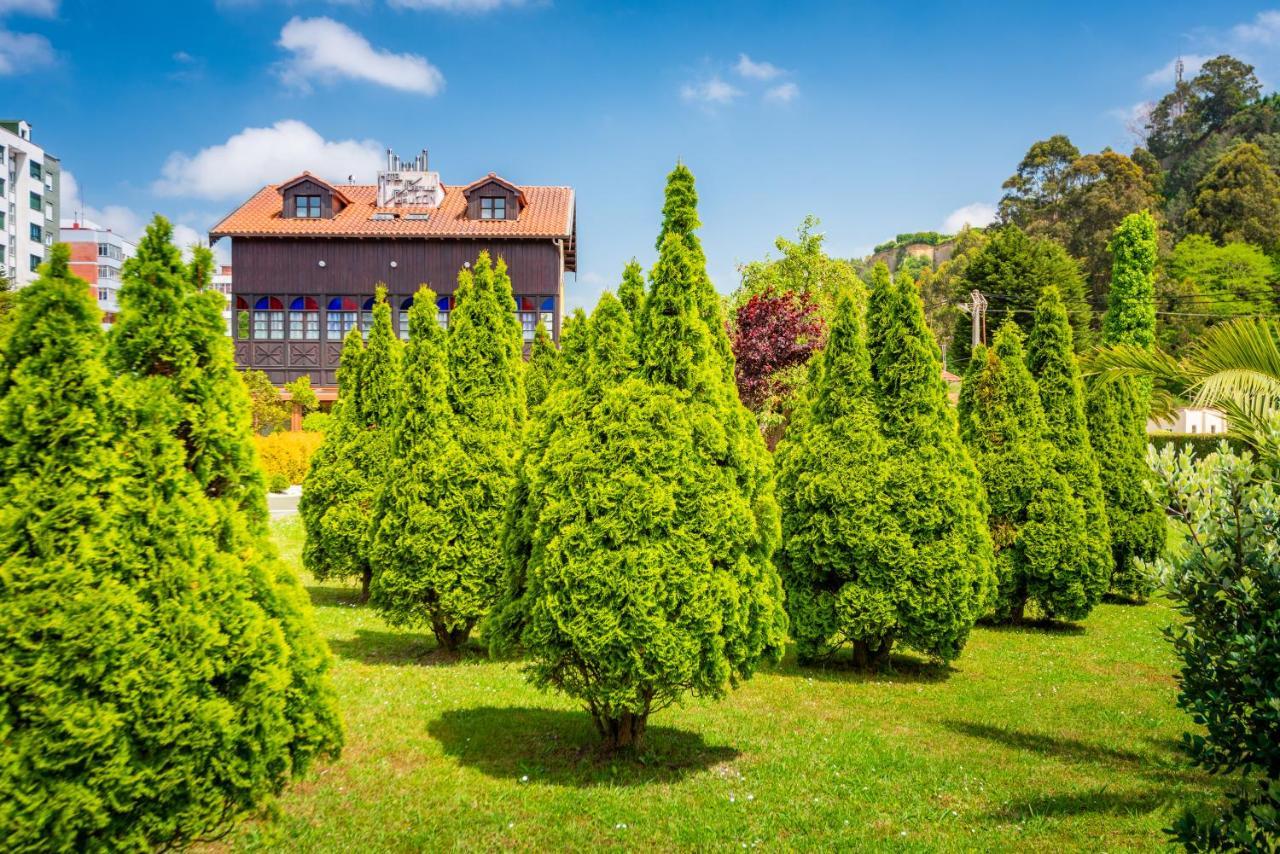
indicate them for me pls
(1037, 524)
(143, 691)
(348, 471)
(1200, 444)
(287, 455)
(541, 371)
(336, 497)
(1117, 414)
(170, 327)
(631, 291)
(421, 576)
(939, 547)
(643, 523)
(1051, 359)
(831, 465)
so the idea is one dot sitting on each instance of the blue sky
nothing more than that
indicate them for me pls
(875, 119)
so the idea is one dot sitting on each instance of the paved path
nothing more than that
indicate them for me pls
(282, 505)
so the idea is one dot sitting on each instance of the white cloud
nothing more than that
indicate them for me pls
(713, 90)
(37, 8)
(1264, 30)
(783, 93)
(325, 50)
(1167, 73)
(746, 67)
(23, 52)
(977, 215)
(454, 5)
(257, 156)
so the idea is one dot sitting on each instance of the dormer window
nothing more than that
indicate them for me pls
(306, 207)
(493, 207)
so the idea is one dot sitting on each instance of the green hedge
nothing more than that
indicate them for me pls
(1201, 443)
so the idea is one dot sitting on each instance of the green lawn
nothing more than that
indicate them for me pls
(1035, 738)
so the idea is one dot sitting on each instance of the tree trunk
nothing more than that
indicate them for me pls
(872, 655)
(366, 578)
(450, 639)
(1018, 611)
(624, 732)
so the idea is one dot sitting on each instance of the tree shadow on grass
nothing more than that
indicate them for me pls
(1168, 766)
(1099, 801)
(562, 748)
(839, 667)
(400, 648)
(334, 597)
(1040, 626)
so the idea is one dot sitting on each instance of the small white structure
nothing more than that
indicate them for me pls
(407, 183)
(222, 284)
(1191, 420)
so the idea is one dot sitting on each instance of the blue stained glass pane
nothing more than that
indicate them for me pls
(444, 303)
(335, 304)
(298, 304)
(368, 304)
(263, 303)
(549, 304)
(407, 304)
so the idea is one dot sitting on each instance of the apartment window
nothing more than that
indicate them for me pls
(366, 317)
(36, 234)
(35, 170)
(531, 311)
(105, 272)
(444, 305)
(36, 201)
(343, 314)
(304, 319)
(268, 319)
(1, 219)
(306, 206)
(404, 318)
(493, 208)
(48, 210)
(1, 186)
(242, 319)
(35, 262)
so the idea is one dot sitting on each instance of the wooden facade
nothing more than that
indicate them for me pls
(326, 269)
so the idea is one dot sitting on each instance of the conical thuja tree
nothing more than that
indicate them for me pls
(631, 291)
(938, 546)
(335, 491)
(640, 544)
(1036, 522)
(541, 371)
(171, 333)
(349, 468)
(420, 578)
(128, 717)
(1051, 359)
(830, 465)
(1117, 413)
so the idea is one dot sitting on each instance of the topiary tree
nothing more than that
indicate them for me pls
(142, 691)
(939, 547)
(1052, 362)
(270, 412)
(1036, 523)
(643, 523)
(335, 494)
(830, 467)
(170, 328)
(1117, 414)
(541, 370)
(421, 577)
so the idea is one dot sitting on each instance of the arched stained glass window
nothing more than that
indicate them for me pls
(547, 314)
(268, 319)
(242, 319)
(366, 316)
(342, 315)
(304, 319)
(444, 305)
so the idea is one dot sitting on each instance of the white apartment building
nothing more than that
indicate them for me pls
(222, 284)
(30, 179)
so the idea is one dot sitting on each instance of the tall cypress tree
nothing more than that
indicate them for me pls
(1117, 413)
(336, 494)
(487, 405)
(830, 465)
(1036, 523)
(641, 535)
(142, 690)
(541, 370)
(420, 578)
(939, 544)
(1051, 359)
(170, 329)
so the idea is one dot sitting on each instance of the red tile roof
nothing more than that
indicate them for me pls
(548, 213)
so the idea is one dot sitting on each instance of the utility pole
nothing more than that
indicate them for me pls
(977, 309)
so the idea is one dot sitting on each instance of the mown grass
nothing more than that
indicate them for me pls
(1060, 737)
